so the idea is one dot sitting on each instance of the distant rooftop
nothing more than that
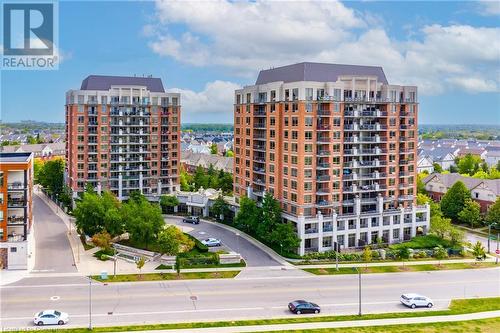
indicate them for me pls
(320, 72)
(102, 82)
(14, 157)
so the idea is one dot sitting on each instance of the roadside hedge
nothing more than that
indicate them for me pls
(198, 244)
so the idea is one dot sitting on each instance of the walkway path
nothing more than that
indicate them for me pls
(338, 324)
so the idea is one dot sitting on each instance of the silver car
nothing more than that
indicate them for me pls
(416, 300)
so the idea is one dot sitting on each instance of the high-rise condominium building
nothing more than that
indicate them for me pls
(16, 186)
(337, 146)
(122, 134)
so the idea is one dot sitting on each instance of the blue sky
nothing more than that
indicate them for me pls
(451, 50)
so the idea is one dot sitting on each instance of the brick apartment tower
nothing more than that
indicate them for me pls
(16, 209)
(123, 135)
(337, 145)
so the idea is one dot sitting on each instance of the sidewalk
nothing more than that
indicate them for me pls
(336, 324)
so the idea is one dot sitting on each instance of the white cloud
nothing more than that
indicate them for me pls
(213, 103)
(489, 7)
(245, 37)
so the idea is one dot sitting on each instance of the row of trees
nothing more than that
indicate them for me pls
(265, 223)
(471, 166)
(210, 178)
(105, 217)
(50, 175)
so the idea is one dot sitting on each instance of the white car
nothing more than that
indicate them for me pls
(51, 317)
(416, 300)
(211, 242)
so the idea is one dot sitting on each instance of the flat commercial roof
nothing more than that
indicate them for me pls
(15, 157)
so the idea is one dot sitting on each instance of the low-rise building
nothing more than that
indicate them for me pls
(484, 191)
(16, 187)
(190, 161)
(425, 164)
(40, 150)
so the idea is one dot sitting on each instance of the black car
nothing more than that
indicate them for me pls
(192, 220)
(301, 306)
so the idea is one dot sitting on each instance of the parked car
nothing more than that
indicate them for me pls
(192, 220)
(211, 242)
(51, 317)
(301, 306)
(416, 300)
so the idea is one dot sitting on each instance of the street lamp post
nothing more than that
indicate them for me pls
(359, 289)
(114, 263)
(497, 254)
(90, 302)
(489, 236)
(238, 242)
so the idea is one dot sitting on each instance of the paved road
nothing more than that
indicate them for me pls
(205, 300)
(52, 249)
(253, 255)
(473, 238)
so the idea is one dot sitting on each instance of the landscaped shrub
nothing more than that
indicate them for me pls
(193, 260)
(198, 244)
(422, 242)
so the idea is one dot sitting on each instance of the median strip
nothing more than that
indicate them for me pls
(167, 276)
(399, 268)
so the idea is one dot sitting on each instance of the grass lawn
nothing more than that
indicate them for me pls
(399, 269)
(167, 276)
(423, 242)
(483, 326)
(332, 261)
(456, 307)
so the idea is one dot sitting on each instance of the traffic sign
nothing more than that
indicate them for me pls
(497, 251)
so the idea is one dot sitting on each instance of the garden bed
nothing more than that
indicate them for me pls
(167, 276)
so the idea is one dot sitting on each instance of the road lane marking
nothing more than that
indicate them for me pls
(55, 298)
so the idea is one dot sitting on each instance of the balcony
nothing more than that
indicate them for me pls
(311, 231)
(16, 202)
(323, 113)
(259, 147)
(324, 203)
(15, 220)
(323, 166)
(260, 170)
(323, 140)
(323, 178)
(323, 127)
(259, 125)
(323, 153)
(16, 186)
(327, 228)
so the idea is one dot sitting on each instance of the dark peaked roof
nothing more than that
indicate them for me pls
(103, 82)
(313, 71)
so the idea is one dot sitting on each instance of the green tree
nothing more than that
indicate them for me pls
(423, 199)
(271, 216)
(248, 216)
(440, 253)
(440, 226)
(200, 179)
(140, 264)
(454, 200)
(229, 153)
(481, 175)
(437, 167)
(471, 213)
(37, 167)
(171, 239)
(185, 180)
(498, 166)
(220, 207)
(367, 255)
(493, 215)
(478, 250)
(420, 183)
(102, 239)
(143, 220)
(213, 149)
(285, 238)
(404, 254)
(457, 236)
(469, 164)
(168, 202)
(51, 176)
(112, 219)
(31, 140)
(88, 214)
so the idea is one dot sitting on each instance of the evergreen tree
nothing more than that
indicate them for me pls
(454, 200)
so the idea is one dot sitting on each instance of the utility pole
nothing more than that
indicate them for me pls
(497, 254)
(114, 263)
(359, 289)
(90, 302)
(489, 236)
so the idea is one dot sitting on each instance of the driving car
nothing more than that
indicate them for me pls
(301, 306)
(192, 220)
(416, 300)
(211, 242)
(51, 317)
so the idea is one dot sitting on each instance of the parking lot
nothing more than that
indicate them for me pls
(253, 255)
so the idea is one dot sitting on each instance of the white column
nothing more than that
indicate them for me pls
(301, 233)
(140, 182)
(320, 232)
(357, 205)
(120, 186)
(159, 187)
(380, 203)
(413, 221)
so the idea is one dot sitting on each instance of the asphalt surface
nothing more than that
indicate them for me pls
(52, 249)
(232, 299)
(253, 255)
